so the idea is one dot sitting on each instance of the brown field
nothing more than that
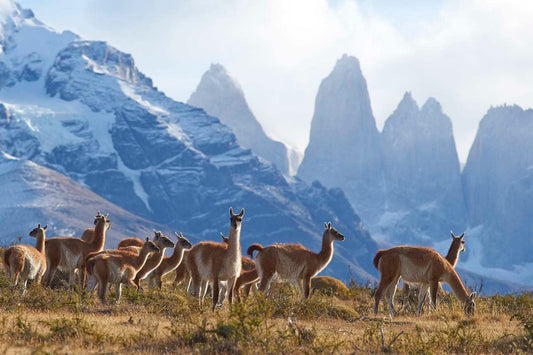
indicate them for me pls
(69, 321)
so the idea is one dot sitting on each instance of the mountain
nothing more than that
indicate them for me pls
(34, 194)
(83, 109)
(344, 149)
(221, 96)
(424, 198)
(498, 186)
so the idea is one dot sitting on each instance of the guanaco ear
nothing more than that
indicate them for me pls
(231, 211)
(39, 225)
(329, 225)
(44, 228)
(242, 212)
(462, 236)
(147, 239)
(453, 235)
(472, 296)
(222, 235)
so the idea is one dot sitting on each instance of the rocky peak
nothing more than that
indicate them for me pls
(343, 148)
(221, 96)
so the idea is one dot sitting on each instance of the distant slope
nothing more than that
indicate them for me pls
(34, 194)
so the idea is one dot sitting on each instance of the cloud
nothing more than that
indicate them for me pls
(468, 55)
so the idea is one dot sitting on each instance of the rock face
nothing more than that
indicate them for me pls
(498, 185)
(221, 96)
(344, 149)
(94, 117)
(422, 174)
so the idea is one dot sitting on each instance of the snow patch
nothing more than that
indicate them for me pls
(129, 91)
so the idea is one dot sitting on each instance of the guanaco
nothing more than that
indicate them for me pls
(153, 261)
(88, 234)
(67, 253)
(293, 262)
(417, 265)
(210, 262)
(169, 264)
(118, 268)
(131, 242)
(24, 262)
(457, 246)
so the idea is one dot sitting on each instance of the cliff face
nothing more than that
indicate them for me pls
(422, 174)
(498, 185)
(344, 149)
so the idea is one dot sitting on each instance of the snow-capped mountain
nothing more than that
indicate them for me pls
(87, 112)
(34, 194)
(344, 149)
(424, 196)
(498, 185)
(221, 96)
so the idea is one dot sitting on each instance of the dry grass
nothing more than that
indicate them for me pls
(67, 321)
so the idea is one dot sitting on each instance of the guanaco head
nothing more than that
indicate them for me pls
(470, 305)
(224, 238)
(162, 241)
(235, 219)
(35, 231)
(459, 240)
(332, 233)
(183, 242)
(148, 244)
(101, 217)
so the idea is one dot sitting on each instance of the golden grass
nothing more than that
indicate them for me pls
(68, 321)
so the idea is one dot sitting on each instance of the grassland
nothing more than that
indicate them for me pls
(68, 321)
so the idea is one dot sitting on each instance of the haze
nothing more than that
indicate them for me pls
(468, 55)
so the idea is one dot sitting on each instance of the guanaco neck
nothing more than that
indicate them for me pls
(98, 241)
(326, 252)
(138, 261)
(157, 257)
(234, 238)
(176, 256)
(458, 288)
(40, 245)
(453, 252)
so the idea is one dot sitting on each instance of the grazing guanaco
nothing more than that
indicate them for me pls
(118, 268)
(24, 262)
(457, 246)
(153, 261)
(210, 262)
(169, 264)
(67, 253)
(293, 262)
(417, 265)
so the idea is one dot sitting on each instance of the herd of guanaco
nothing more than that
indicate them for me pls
(220, 266)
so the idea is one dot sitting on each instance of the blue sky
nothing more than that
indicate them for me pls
(469, 55)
